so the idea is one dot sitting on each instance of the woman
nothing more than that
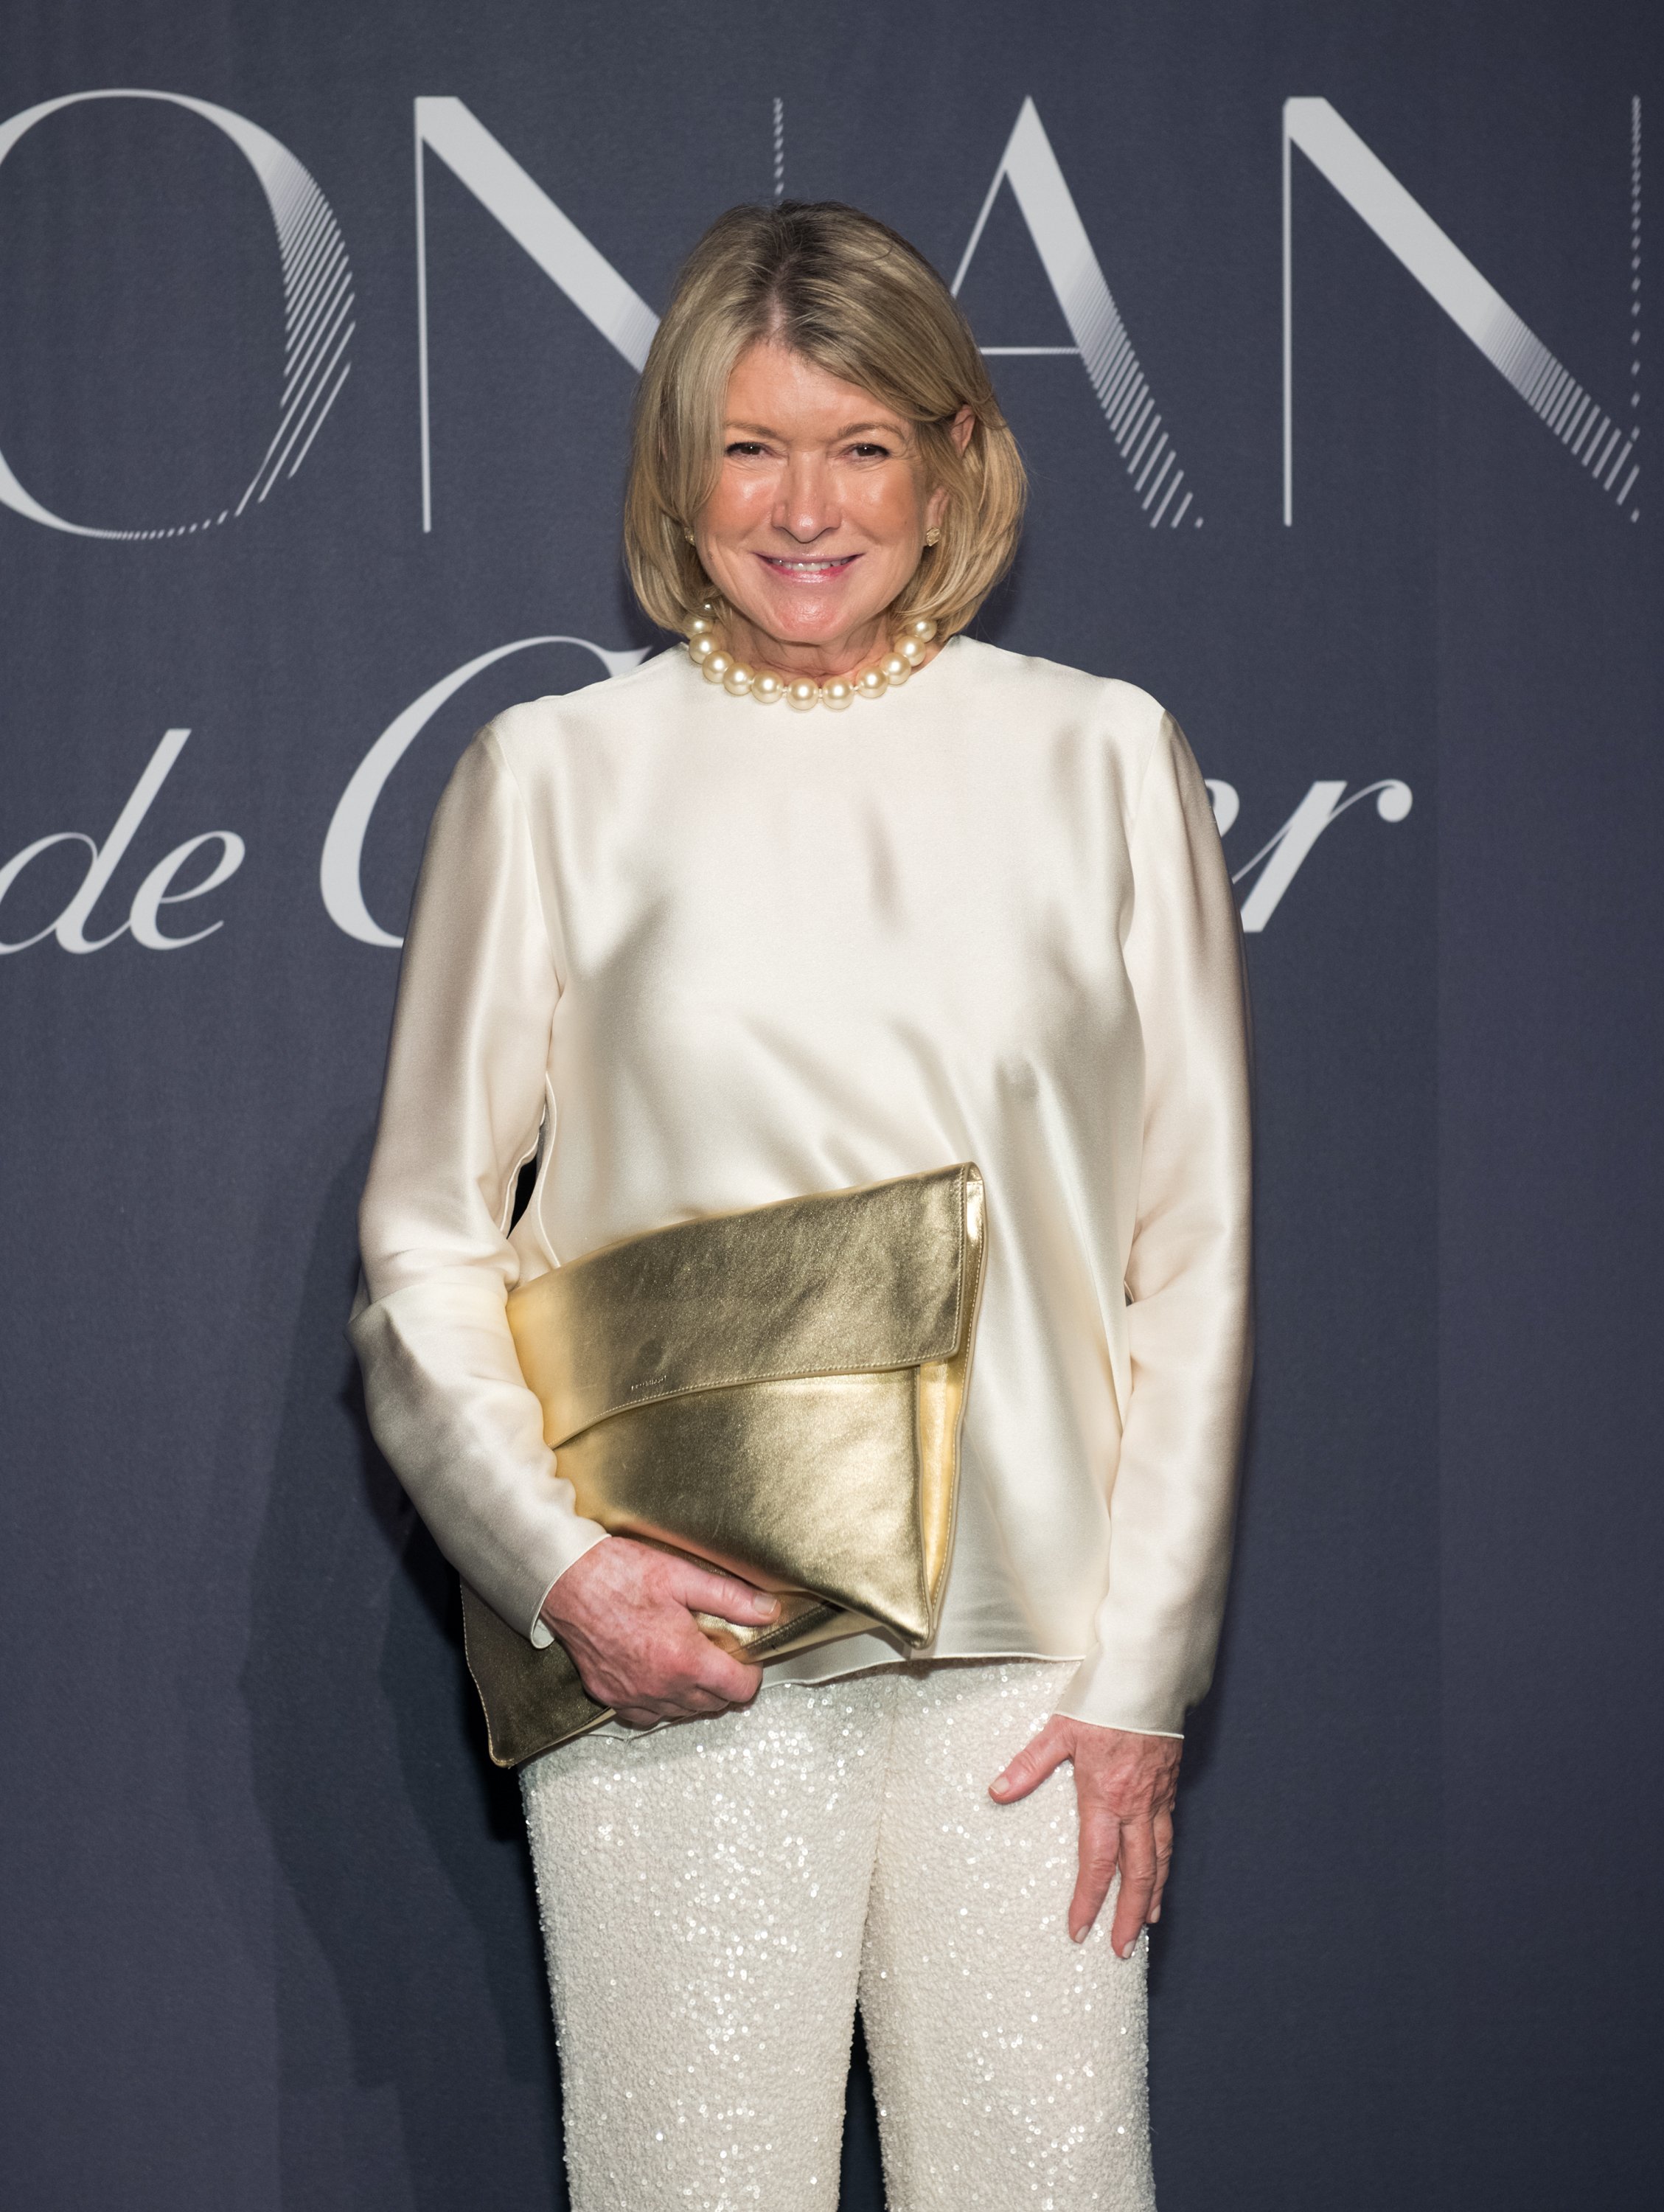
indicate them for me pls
(693, 952)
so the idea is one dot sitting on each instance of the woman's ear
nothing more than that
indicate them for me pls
(962, 426)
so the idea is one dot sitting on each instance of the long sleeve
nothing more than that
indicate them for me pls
(986, 919)
(1188, 1276)
(465, 1093)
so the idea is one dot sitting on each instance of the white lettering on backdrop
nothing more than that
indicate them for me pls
(507, 191)
(144, 913)
(317, 300)
(1278, 860)
(531, 219)
(343, 846)
(318, 297)
(1281, 858)
(1047, 206)
(1444, 271)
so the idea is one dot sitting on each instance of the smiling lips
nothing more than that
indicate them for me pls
(815, 571)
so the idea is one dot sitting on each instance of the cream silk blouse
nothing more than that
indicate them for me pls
(692, 954)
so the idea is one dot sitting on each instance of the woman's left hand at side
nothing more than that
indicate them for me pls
(1125, 1786)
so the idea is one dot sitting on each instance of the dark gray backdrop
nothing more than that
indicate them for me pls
(269, 1936)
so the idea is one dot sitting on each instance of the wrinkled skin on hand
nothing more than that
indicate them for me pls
(625, 1612)
(1125, 1786)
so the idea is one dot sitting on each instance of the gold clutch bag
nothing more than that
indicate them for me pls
(777, 1393)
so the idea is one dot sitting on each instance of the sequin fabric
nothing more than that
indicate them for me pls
(716, 1896)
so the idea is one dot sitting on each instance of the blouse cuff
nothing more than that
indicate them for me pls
(540, 1632)
(1095, 1696)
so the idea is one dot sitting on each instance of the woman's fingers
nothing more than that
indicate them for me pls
(702, 1589)
(1164, 1862)
(1137, 1885)
(625, 1612)
(1100, 1848)
(1124, 1788)
(729, 1680)
(1042, 1756)
(693, 1703)
(693, 1675)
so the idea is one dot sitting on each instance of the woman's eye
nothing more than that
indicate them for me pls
(870, 453)
(747, 447)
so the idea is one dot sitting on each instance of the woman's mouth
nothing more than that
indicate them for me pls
(817, 568)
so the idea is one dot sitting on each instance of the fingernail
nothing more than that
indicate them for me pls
(999, 1789)
(1130, 1949)
(768, 1607)
(1077, 1934)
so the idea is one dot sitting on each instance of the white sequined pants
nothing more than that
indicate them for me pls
(718, 1896)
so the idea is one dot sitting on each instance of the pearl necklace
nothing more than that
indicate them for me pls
(706, 651)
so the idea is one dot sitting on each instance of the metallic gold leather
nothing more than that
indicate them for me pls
(812, 1484)
(806, 1621)
(836, 1283)
(716, 969)
(941, 1406)
(778, 1393)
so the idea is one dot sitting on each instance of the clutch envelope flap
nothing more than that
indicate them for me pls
(841, 1283)
(779, 1392)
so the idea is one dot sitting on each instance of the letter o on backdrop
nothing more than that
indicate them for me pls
(318, 300)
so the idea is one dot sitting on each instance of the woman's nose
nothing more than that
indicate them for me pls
(807, 508)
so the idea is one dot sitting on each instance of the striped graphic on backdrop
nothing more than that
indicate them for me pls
(316, 298)
(1635, 264)
(1596, 440)
(1047, 206)
(318, 303)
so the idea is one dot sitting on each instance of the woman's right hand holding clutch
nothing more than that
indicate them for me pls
(625, 1612)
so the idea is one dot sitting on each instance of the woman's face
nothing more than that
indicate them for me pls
(819, 515)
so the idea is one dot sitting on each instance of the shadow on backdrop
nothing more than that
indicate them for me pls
(400, 1845)
(408, 1963)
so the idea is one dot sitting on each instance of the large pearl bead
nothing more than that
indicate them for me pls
(872, 683)
(897, 669)
(701, 648)
(911, 650)
(767, 689)
(802, 693)
(923, 629)
(716, 667)
(740, 679)
(700, 626)
(837, 692)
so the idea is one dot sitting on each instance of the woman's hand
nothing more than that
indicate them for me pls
(1125, 1785)
(625, 1612)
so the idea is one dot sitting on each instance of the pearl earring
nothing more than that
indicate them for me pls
(686, 533)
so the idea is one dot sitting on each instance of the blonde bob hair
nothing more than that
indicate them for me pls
(848, 293)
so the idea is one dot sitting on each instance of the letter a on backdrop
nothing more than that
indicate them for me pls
(1047, 206)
